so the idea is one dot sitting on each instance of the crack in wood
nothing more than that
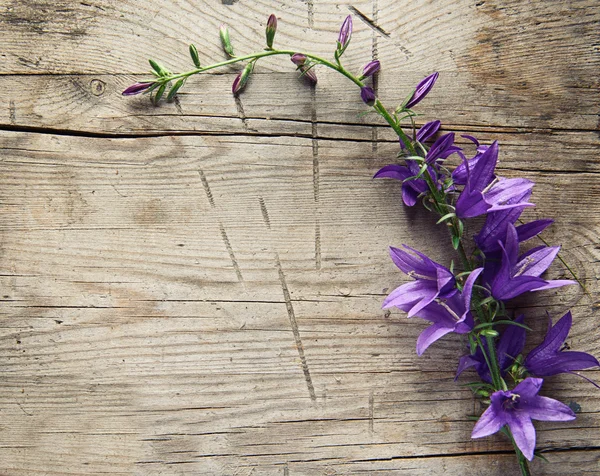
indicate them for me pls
(295, 330)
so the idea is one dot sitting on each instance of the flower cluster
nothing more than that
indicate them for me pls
(472, 302)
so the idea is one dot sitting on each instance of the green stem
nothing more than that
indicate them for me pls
(378, 106)
(523, 463)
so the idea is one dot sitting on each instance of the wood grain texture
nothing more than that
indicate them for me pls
(196, 288)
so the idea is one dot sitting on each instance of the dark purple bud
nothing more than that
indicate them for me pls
(370, 68)
(241, 79)
(309, 74)
(368, 95)
(136, 88)
(298, 59)
(422, 90)
(345, 33)
(428, 130)
(271, 29)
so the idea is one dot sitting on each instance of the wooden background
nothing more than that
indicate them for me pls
(195, 288)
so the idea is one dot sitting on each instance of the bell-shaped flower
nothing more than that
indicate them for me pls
(549, 358)
(510, 345)
(483, 193)
(411, 189)
(432, 281)
(460, 173)
(519, 274)
(496, 225)
(516, 408)
(447, 315)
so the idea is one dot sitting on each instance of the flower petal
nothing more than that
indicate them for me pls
(430, 335)
(489, 423)
(523, 432)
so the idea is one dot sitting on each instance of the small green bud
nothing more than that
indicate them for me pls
(194, 55)
(174, 89)
(482, 393)
(160, 92)
(225, 41)
(489, 333)
(158, 68)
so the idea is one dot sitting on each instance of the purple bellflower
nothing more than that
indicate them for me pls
(496, 226)
(484, 193)
(432, 280)
(368, 95)
(516, 408)
(548, 358)
(510, 345)
(460, 173)
(422, 90)
(449, 315)
(137, 88)
(520, 274)
(411, 189)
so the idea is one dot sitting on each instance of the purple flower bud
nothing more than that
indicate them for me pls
(428, 130)
(271, 29)
(345, 34)
(368, 95)
(298, 59)
(370, 68)
(309, 74)
(241, 79)
(422, 90)
(136, 88)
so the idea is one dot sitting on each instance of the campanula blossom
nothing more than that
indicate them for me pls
(447, 315)
(432, 280)
(411, 189)
(510, 345)
(460, 173)
(516, 408)
(519, 274)
(422, 90)
(137, 88)
(485, 193)
(549, 358)
(496, 225)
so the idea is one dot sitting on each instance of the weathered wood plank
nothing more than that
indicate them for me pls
(207, 301)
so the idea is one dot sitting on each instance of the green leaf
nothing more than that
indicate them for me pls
(151, 88)
(174, 89)
(447, 216)
(194, 55)
(160, 92)
(455, 242)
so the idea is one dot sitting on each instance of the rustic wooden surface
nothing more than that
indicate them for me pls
(195, 288)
